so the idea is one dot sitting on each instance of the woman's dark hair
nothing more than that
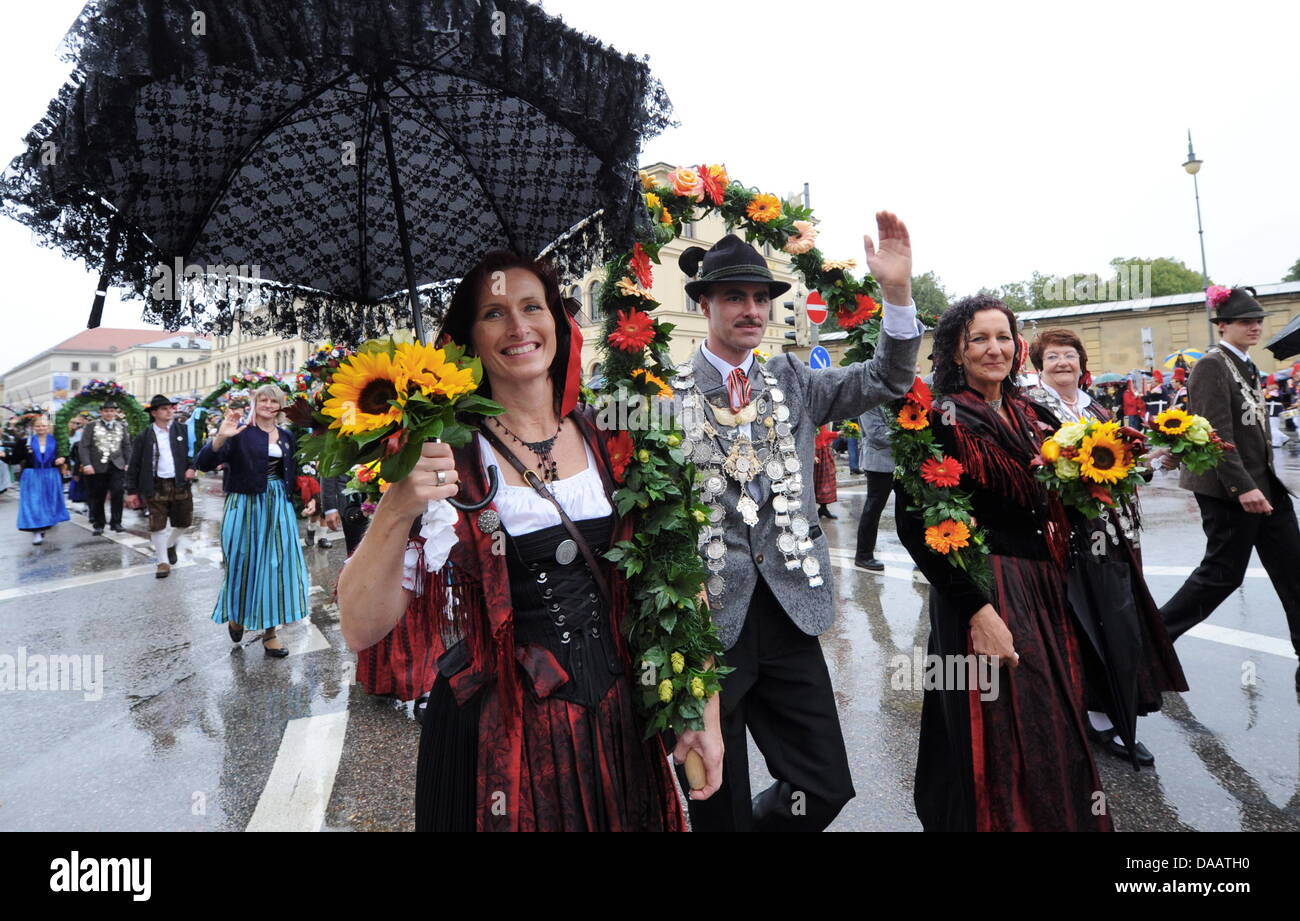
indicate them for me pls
(1058, 336)
(463, 309)
(952, 334)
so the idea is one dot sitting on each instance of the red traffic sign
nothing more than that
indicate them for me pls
(816, 308)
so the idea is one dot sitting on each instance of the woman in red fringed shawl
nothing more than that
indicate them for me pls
(824, 490)
(531, 723)
(1014, 755)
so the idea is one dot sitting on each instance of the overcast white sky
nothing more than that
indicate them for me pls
(1009, 136)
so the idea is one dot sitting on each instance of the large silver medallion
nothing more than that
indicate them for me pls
(782, 413)
(716, 550)
(811, 567)
(774, 469)
(780, 504)
(716, 585)
(799, 526)
(566, 552)
(786, 543)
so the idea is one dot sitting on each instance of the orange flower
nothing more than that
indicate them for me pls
(633, 332)
(715, 182)
(687, 183)
(866, 309)
(647, 377)
(764, 208)
(947, 536)
(920, 394)
(944, 473)
(666, 217)
(913, 417)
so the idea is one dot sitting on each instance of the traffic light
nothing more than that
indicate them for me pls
(798, 318)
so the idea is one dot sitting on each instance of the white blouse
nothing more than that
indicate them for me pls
(522, 511)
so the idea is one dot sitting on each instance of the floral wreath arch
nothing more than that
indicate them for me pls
(89, 397)
(669, 628)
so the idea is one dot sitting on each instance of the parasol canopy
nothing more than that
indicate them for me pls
(345, 152)
(1188, 358)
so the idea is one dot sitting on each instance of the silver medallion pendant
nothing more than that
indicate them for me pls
(748, 509)
(489, 521)
(780, 504)
(716, 585)
(566, 552)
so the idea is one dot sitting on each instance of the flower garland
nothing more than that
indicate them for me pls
(246, 381)
(88, 398)
(669, 628)
(932, 480)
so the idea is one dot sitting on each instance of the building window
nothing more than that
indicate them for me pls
(112, 366)
(76, 366)
(688, 230)
(76, 383)
(593, 303)
(692, 305)
(94, 366)
(153, 362)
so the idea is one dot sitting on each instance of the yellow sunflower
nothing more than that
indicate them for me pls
(362, 392)
(764, 208)
(428, 368)
(643, 374)
(1173, 421)
(1102, 457)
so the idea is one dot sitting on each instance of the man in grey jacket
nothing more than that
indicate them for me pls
(750, 428)
(876, 458)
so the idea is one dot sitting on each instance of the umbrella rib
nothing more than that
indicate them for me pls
(362, 204)
(240, 160)
(442, 129)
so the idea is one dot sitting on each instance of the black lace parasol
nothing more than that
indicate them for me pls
(345, 151)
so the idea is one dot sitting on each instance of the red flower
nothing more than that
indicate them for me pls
(944, 473)
(633, 331)
(395, 442)
(1100, 493)
(715, 183)
(621, 450)
(848, 319)
(920, 395)
(641, 267)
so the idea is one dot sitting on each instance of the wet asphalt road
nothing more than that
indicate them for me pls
(188, 732)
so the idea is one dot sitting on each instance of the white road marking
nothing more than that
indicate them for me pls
(301, 642)
(1243, 640)
(141, 545)
(302, 779)
(92, 578)
(1228, 636)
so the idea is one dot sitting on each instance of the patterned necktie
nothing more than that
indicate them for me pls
(737, 390)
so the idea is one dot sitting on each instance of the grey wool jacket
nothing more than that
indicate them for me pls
(815, 398)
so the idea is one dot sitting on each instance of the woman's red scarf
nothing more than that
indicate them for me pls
(998, 457)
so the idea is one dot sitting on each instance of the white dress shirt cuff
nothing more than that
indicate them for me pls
(900, 322)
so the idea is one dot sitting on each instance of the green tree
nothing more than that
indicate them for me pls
(929, 294)
(1168, 276)
(1293, 275)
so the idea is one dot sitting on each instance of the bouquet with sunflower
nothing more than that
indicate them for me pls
(384, 402)
(1091, 464)
(1191, 439)
(932, 480)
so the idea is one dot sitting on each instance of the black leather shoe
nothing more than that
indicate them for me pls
(118, 529)
(98, 532)
(873, 564)
(235, 630)
(324, 543)
(270, 651)
(824, 512)
(171, 555)
(1112, 744)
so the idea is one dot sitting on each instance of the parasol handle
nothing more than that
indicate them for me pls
(493, 482)
(695, 773)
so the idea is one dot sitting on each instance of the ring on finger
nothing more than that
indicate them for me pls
(442, 477)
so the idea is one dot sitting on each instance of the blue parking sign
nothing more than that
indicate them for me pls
(819, 358)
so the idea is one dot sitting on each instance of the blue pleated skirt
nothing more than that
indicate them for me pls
(40, 499)
(266, 576)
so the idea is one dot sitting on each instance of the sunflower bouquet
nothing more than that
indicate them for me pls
(932, 481)
(1191, 439)
(382, 403)
(1091, 464)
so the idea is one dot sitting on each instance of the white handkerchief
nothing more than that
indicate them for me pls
(438, 528)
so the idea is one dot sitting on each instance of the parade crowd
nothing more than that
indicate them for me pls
(503, 620)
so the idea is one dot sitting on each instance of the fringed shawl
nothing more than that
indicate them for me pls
(998, 457)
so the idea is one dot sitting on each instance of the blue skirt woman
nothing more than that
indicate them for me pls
(40, 491)
(266, 576)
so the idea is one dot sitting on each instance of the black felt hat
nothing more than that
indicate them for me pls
(730, 259)
(1240, 304)
(158, 402)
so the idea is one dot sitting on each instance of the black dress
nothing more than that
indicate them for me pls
(584, 767)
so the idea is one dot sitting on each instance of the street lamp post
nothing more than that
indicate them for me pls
(1193, 166)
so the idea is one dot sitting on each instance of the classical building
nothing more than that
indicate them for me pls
(177, 365)
(1121, 336)
(52, 376)
(239, 352)
(691, 326)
